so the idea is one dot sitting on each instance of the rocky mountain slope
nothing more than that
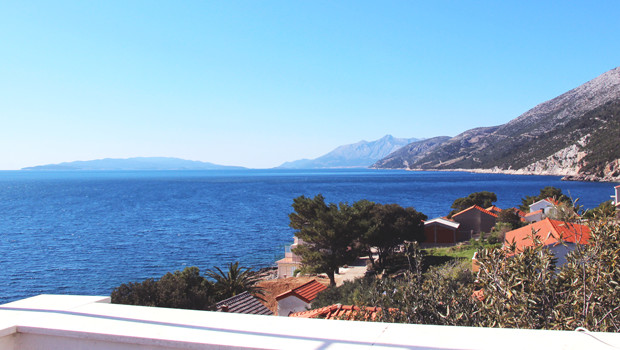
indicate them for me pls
(138, 163)
(576, 134)
(360, 154)
(401, 158)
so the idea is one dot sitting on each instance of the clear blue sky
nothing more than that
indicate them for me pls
(257, 83)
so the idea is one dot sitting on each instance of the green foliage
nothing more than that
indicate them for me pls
(349, 293)
(518, 291)
(435, 297)
(511, 218)
(498, 233)
(388, 227)
(187, 289)
(522, 289)
(328, 232)
(335, 235)
(482, 199)
(547, 192)
(589, 282)
(605, 210)
(527, 290)
(182, 290)
(235, 280)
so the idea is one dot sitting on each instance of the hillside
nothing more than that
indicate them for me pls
(401, 158)
(576, 134)
(360, 154)
(138, 163)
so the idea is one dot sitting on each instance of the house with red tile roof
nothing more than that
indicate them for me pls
(550, 232)
(494, 209)
(340, 312)
(547, 205)
(298, 299)
(440, 231)
(474, 220)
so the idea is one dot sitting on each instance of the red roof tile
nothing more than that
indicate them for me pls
(534, 212)
(549, 231)
(494, 209)
(306, 292)
(475, 207)
(340, 312)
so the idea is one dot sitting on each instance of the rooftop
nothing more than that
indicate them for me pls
(475, 207)
(549, 231)
(244, 303)
(443, 221)
(340, 312)
(306, 292)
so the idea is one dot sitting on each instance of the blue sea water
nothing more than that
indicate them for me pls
(88, 232)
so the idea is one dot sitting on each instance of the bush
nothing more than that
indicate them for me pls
(512, 289)
(180, 290)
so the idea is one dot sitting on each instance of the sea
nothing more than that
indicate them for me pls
(87, 232)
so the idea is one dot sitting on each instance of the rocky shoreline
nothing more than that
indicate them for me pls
(613, 177)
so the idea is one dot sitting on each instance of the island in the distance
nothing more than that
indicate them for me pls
(137, 163)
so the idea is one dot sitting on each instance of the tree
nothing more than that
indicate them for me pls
(482, 199)
(510, 217)
(388, 226)
(185, 289)
(547, 192)
(181, 290)
(328, 232)
(236, 280)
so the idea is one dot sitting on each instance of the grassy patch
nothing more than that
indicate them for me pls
(465, 251)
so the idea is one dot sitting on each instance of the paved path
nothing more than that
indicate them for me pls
(355, 270)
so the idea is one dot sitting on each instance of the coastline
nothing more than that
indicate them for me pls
(566, 176)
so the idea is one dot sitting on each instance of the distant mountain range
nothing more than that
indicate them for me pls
(576, 134)
(357, 155)
(139, 163)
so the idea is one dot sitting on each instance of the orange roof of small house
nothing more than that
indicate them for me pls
(549, 231)
(534, 212)
(519, 212)
(494, 209)
(306, 292)
(475, 207)
(340, 312)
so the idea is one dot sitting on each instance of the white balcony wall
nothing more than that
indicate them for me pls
(83, 322)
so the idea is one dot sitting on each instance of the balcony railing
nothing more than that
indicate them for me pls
(86, 322)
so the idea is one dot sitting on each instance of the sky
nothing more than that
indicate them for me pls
(258, 83)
